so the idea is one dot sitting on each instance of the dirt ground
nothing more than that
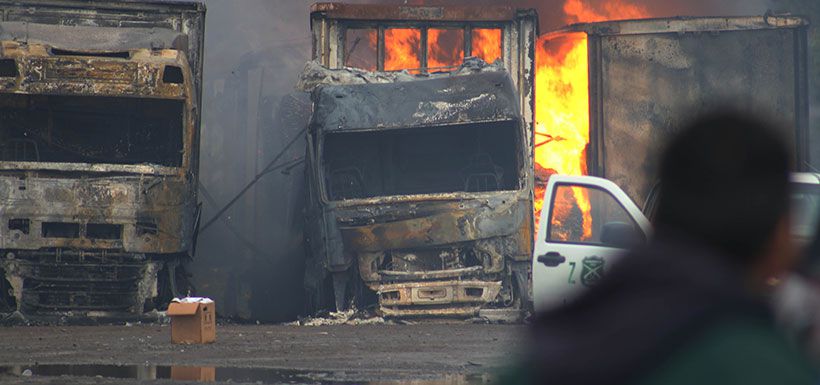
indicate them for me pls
(342, 354)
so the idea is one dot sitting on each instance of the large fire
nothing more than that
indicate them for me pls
(562, 94)
(445, 47)
(562, 123)
(562, 110)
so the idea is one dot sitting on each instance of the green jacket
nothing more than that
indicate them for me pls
(739, 351)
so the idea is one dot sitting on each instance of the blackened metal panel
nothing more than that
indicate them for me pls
(527, 32)
(93, 39)
(481, 97)
(650, 84)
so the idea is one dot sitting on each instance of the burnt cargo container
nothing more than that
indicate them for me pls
(99, 140)
(647, 77)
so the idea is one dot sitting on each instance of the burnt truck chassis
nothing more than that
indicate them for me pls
(440, 247)
(81, 235)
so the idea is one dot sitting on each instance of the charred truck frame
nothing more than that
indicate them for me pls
(99, 140)
(421, 189)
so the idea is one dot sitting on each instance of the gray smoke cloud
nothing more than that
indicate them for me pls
(250, 261)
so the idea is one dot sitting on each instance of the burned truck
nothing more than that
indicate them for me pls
(424, 188)
(420, 182)
(99, 132)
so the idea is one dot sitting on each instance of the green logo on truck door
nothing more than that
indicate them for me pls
(592, 270)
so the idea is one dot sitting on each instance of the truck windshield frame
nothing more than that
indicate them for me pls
(493, 170)
(372, 36)
(92, 130)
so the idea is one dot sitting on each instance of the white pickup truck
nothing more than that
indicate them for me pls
(576, 246)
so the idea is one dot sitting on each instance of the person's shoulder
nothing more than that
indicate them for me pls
(735, 351)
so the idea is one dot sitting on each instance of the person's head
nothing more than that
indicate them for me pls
(725, 183)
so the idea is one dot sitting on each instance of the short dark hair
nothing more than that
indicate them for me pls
(725, 183)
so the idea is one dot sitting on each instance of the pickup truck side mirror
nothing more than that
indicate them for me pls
(622, 235)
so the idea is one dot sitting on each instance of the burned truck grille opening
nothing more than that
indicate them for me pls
(100, 231)
(91, 129)
(429, 259)
(73, 283)
(113, 55)
(60, 230)
(8, 68)
(21, 225)
(103, 231)
(461, 158)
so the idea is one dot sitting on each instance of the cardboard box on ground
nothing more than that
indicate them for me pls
(193, 320)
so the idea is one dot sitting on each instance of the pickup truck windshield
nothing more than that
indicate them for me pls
(462, 158)
(805, 210)
(90, 129)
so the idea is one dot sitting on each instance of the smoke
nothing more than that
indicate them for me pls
(250, 261)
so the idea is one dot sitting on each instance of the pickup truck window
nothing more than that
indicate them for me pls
(805, 210)
(588, 215)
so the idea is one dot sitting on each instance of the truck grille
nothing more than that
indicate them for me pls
(60, 285)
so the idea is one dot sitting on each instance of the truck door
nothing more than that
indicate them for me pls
(586, 224)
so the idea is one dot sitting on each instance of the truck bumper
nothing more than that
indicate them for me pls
(436, 298)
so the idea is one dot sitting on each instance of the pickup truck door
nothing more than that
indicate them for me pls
(585, 226)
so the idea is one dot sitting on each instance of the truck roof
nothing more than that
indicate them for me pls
(93, 38)
(364, 12)
(481, 97)
(194, 5)
(112, 25)
(686, 24)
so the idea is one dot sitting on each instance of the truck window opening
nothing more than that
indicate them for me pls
(463, 158)
(360, 48)
(113, 55)
(89, 129)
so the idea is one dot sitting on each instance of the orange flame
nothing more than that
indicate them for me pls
(562, 109)
(445, 47)
(402, 49)
(578, 11)
(562, 119)
(487, 44)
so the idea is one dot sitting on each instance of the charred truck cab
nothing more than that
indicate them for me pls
(421, 187)
(425, 189)
(99, 138)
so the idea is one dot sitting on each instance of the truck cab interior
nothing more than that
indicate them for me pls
(91, 129)
(447, 159)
